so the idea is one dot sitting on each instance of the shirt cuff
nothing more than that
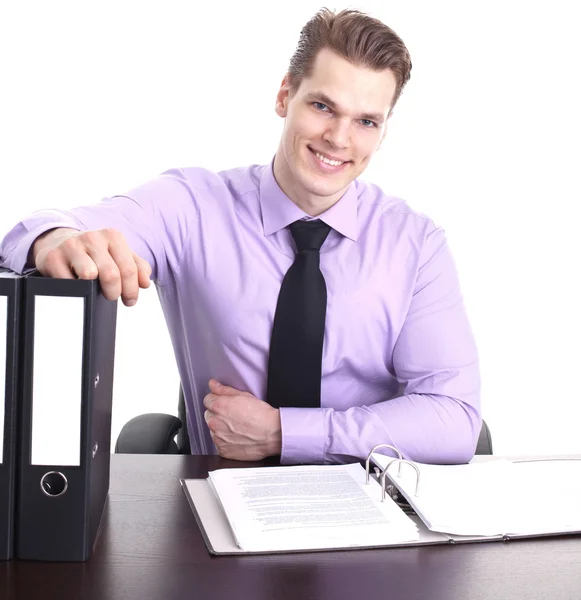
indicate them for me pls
(303, 435)
(17, 256)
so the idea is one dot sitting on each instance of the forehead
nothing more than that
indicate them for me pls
(351, 86)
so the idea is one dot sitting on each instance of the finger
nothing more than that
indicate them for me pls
(68, 260)
(143, 271)
(55, 263)
(208, 416)
(127, 268)
(208, 399)
(107, 269)
(216, 441)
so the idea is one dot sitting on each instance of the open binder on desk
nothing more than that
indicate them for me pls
(345, 507)
(489, 500)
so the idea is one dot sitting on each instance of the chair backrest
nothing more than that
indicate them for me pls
(484, 445)
(183, 439)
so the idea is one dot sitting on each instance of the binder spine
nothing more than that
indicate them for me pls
(61, 503)
(10, 323)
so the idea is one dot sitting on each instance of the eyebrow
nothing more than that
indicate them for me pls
(320, 97)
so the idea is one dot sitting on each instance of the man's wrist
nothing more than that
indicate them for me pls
(275, 437)
(45, 238)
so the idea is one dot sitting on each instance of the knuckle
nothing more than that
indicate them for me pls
(143, 263)
(92, 238)
(128, 271)
(70, 244)
(110, 233)
(217, 405)
(87, 273)
(109, 275)
(53, 257)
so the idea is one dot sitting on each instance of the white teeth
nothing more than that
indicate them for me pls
(333, 163)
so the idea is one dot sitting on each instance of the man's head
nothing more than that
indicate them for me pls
(343, 81)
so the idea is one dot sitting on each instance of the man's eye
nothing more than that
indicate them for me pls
(320, 105)
(368, 123)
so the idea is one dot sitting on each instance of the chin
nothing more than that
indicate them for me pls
(323, 191)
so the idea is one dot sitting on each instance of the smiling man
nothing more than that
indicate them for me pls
(312, 315)
(335, 121)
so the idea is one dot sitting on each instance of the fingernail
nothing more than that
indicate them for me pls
(131, 302)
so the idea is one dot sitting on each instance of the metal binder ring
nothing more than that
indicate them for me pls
(384, 474)
(400, 461)
(372, 451)
(53, 484)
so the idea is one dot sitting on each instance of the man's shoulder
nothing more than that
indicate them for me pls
(387, 208)
(237, 180)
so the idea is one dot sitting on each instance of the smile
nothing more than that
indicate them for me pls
(334, 163)
(328, 161)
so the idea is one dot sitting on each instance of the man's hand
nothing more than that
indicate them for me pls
(67, 254)
(242, 426)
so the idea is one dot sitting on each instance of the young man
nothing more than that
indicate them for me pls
(312, 315)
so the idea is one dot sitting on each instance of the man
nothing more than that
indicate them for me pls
(312, 315)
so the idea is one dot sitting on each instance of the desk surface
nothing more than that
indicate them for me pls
(150, 548)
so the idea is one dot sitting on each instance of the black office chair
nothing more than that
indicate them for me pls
(157, 433)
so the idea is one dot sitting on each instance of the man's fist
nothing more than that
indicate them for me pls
(69, 254)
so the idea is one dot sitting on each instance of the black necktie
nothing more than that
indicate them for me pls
(296, 347)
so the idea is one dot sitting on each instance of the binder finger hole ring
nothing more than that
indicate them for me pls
(53, 484)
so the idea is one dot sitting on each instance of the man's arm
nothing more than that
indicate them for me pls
(435, 359)
(123, 240)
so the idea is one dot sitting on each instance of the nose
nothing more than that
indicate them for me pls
(337, 133)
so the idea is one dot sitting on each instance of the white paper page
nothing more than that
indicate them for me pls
(496, 497)
(285, 508)
(545, 496)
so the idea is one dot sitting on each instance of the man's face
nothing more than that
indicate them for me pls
(334, 123)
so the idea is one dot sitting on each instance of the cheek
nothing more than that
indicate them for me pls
(368, 146)
(306, 126)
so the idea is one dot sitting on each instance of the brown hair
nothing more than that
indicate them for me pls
(356, 37)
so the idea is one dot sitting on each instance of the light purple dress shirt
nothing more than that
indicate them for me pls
(400, 364)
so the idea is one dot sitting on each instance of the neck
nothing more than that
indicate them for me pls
(311, 204)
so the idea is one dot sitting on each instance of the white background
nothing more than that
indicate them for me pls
(485, 140)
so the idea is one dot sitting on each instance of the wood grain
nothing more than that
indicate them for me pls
(150, 547)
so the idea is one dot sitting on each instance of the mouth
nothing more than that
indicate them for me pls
(326, 163)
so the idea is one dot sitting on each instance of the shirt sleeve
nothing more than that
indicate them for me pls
(154, 218)
(437, 418)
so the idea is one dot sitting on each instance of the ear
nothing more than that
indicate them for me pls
(283, 97)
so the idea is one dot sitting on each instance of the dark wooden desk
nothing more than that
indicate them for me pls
(150, 548)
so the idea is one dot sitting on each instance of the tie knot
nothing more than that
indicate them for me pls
(309, 235)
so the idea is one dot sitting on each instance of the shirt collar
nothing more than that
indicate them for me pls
(279, 211)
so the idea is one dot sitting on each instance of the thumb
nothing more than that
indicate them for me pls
(225, 390)
(222, 390)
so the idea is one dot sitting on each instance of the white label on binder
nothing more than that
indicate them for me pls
(3, 356)
(57, 381)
